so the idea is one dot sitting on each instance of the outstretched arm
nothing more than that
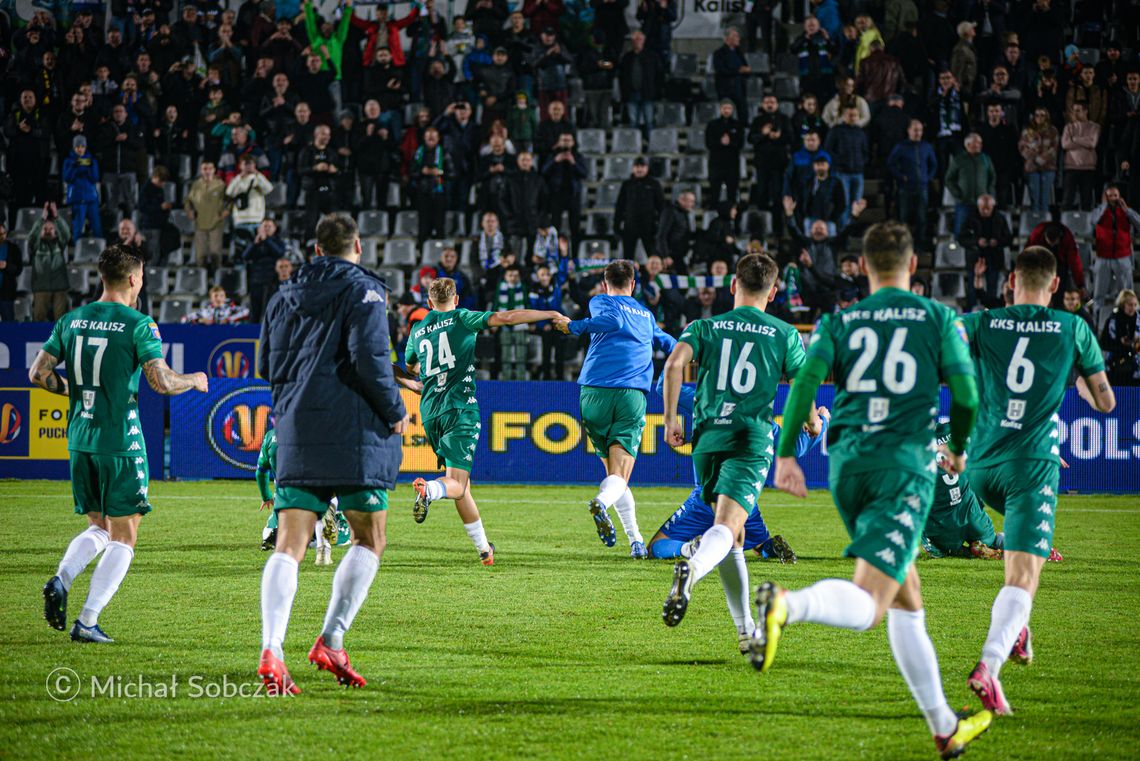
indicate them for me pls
(43, 374)
(406, 379)
(169, 383)
(520, 317)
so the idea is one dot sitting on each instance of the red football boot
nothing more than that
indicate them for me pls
(336, 663)
(275, 676)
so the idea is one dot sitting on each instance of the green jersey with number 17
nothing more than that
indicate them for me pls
(888, 353)
(104, 345)
(1024, 354)
(741, 355)
(444, 345)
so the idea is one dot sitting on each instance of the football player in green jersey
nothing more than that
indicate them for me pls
(958, 525)
(1024, 355)
(441, 350)
(105, 344)
(741, 356)
(333, 527)
(888, 354)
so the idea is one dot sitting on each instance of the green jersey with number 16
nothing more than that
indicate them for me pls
(1024, 355)
(444, 345)
(888, 353)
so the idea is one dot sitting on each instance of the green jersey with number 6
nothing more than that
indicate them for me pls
(888, 353)
(444, 345)
(1024, 354)
(741, 355)
(104, 345)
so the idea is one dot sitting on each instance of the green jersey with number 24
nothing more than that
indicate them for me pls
(1024, 354)
(444, 345)
(888, 354)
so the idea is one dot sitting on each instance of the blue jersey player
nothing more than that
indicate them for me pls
(679, 535)
(615, 378)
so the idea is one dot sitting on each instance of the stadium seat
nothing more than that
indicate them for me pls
(705, 112)
(592, 141)
(787, 108)
(191, 280)
(173, 310)
(587, 247)
(1029, 220)
(233, 279)
(754, 91)
(945, 223)
(695, 140)
(293, 223)
(660, 168)
(754, 222)
(170, 192)
(1080, 222)
(669, 115)
(24, 281)
(949, 285)
(180, 219)
(626, 140)
(87, 250)
(685, 65)
(786, 88)
(599, 223)
(277, 196)
(947, 199)
(407, 224)
(393, 195)
(368, 255)
(23, 308)
(455, 224)
(949, 256)
(758, 62)
(372, 223)
(693, 168)
(433, 249)
(77, 279)
(393, 276)
(617, 167)
(157, 281)
(184, 165)
(606, 195)
(664, 140)
(26, 219)
(788, 63)
(401, 253)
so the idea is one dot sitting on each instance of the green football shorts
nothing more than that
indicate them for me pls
(613, 416)
(1025, 492)
(113, 485)
(884, 512)
(316, 499)
(968, 523)
(453, 436)
(738, 476)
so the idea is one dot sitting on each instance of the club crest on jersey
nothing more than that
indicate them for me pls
(878, 409)
(88, 399)
(960, 329)
(726, 409)
(154, 331)
(1015, 410)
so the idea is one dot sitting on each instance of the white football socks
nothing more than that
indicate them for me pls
(831, 602)
(278, 588)
(916, 659)
(477, 535)
(354, 575)
(1009, 615)
(612, 488)
(435, 490)
(627, 511)
(734, 579)
(105, 580)
(82, 550)
(715, 546)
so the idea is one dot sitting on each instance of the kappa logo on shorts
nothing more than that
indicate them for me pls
(472, 400)
(134, 447)
(751, 499)
(1045, 508)
(904, 519)
(913, 501)
(140, 474)
(372, 500)
(1046, 491)
(132, 415)
(141, 503)
(897, 538)
(1044, 527)
(142, 491)
(1042, 545)
(139, 461)
(1055, 451)
(133, 430)
(887, 555)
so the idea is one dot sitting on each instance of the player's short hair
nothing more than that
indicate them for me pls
(887, 247)
(117, 262)
(756, 273)
(1036, 267)
(620, 273)
(442, 291)
(335, 234)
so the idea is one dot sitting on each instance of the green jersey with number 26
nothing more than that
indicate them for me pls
(444, 345)
(741, 355)
(888, 354)
(1024, 354)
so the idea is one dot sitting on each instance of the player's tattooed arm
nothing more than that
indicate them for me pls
(43, 374)
(406, 379)
(169, 383)
(1097, 392)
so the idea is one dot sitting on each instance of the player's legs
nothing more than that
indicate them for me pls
(113, 566)
(689, 521)
(279, 579)
(614, 420)
(619, 470)
(80, 552)
(456, 484)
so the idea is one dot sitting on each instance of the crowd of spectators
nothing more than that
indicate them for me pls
(517, 147)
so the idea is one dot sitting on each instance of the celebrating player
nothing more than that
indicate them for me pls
(441, 350)
(325, 352)
(741, 356)
(888, 353)
(104, 344)
(615, 378)
(958, 525)
(1024, 355)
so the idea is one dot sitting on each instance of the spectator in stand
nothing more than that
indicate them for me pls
(1038, 147)
(851, 279)
(527, 196)
(846, 98)
(1112, 264)
(704, 305)
(731, 71)
(247, 192)
(986, 237)
(1073, 303)
(610, 19)
(319, 166)
(1120, 340)
(641, 77)
(550, 248)
(970, 175)
(947, 118)
(314, 86)
(241, 146)
(1085, 90)
(1048, 94)
(718, 242)
(1079, 139)
(81, 173)
(296, 136)
(47, 253)
(807, 117)
(597, 75)
(551, 129)
(564, 173)
(640, 202)
(376, 152)
(1001, 91)
(449, 267)
(824, 198)
(675, 231)
(522, 122)
(1070, 269)
(888, 128)
(814, 50)
(384, 33)
(154, 210)
(1000, 138)
(487, 16)
(460, 138)
(386, 82)
(1124, 137)
(868, 35)
(218, 310)
(848, 147)
(801, 169)
(11, 266)
(551, 69)
(496, 85)
(772, 140)
(430, 178)
(328, 43)
(963, 59)
(880, 77)
(491, 243)
(913, 165)
(657, 18)
(546, 294)
(262, 257)
(78, 120)
(724, 139)
(897, 14)
(206, 206)
(121, 147)
(819, 254)
(911, 54)
(493, 175)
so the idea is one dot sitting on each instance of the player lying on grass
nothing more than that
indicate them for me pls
(741, 356)
(616, 376)
(441, 351)
(105, 344)
(679, 536)
(1024, 354)
(888, 354)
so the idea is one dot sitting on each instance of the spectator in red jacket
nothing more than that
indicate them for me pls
(392, 29)
(1112, 265)
(1059, 239)
(542, 13)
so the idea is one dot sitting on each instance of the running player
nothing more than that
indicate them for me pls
(741, 356)
(441, 350)
(616, 376)
(887, 353)
(105, 343)
(680, 534)
(1024, 355)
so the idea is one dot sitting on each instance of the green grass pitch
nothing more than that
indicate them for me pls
(558, 651)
